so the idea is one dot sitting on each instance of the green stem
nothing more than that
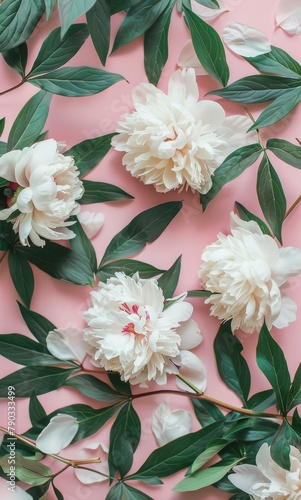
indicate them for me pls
(291, 208)
(3, 255)
(13, 88)
(95, 471)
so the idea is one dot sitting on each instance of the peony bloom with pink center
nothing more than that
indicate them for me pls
(43, 187)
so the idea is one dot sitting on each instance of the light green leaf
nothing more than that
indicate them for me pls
(29, 122)
(24, 351)
(198, 293)
(234, 165)
(22, 276)
(27, 471)
(87, 154)
(208, 47)
(271, 196)
(129, 267)
(56, 51)
(244, 214)
(98, 19)
(76, 81)
(213, 449)
(49, 4)
(205, 477)
(280, 108)
(16, 58)
(17, 21)
(94, 388)
(69, 10)
(37, 324)
(286, 151)
(169, 280)
(276, 62)
(100, 192)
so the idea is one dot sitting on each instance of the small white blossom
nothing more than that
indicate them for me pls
(267, 480)
(175, 142)
(246, 273)
(132, 333)
(168, 425)
(43, 186)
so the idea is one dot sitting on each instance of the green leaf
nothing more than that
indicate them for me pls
(2, 124)
(205, 477)
(130, 493)
(251, 429)
(29, 122)
(280, 448)
(22, 276)
(69, 10)
(116, 492)
(244, 214)
(206, 412)
(144, 228)
(208, 47)
(24, 351)
(87, 154)
(286, 151)
(234, 165)
(39, 492)
(72, 81)
(17, 21)
(276, 62)
(42, 379)
(280, 108)
(138, 20)
(119, 5)
(58, 494)
(27, 471)
(213, 449)
(3, 149)
(100, 192)
(94, 388)
(129, 267)
(60, 263)
(98, 19)
(169, 280)
(272, 363)
(56, 51)
(16, 58)
(271, 196)
(295, 390)
(232, 367)
(124, 439)
(121, 386)
(240, 496)
(82, 245)
(198, 293)
(261, 401)
(36, 410)
(49, 4)
(156, 46)
(148, 480)
(256, 89)
(37, 324)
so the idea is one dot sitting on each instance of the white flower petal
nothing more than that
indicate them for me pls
(289, 264)
(91, 223)
(190, 334)
(90, 477)
(246, 476)
(194, 370)
(58, 434)
(288, 16)
(168, 425)
(188, 59)
(206, 13)
(245, 40)
(287, 313)
(67, 344)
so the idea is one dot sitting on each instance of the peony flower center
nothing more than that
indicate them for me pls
(138, 317)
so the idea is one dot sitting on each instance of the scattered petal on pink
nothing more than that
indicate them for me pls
(194, 370)
(188, 59)
(168, 425)
(92, 450)
(67, 344)
(206, 13)
(58, 434)
(245, 40)
(288, 16)
(91, 223)
(190, 334)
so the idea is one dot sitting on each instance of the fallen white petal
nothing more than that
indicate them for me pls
(190, 334)
(91, 223)
(193, 369)
(288, 16)
(58, 434)
(67, 344)
(245, 40)
(188, 59)
(168, 425)
(91, 450)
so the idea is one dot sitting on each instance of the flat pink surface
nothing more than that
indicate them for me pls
(75, 119)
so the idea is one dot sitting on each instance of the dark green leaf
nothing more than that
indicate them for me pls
(138, 20)
(272, 363)
(21, 275)
(244, 214)
(3, 149)
(94, 388)
(116, 492)
(208, 47)
(234, 165)
(29, 122)
(124, 439)
(17, 21)
(38, 492)
(82, 245)
(119, 5)
(120, 386)
(24, 351)
(286, 151)
(61, 263)
(251, 429)
(280, 448)
(99, 192)
(2, 124)
(87, 154)
(42, 136)
(261, 401)
(49, 4)
(295, 390)
(169, 280)
(258, 88)
(144, 228)
(232, 367)
(42, 379)
(130, 493)
(69, 10)
(205, 477)
(58, 494)
(281, 107)
(271, 196)
(148, 480)
(16, 58)
(277, 62)
(98, 19)
(36, 410)
(76, 81)
(198, 293)
(37, 324)
(206, 412)
(241, 496)
(156, 46)
(129, 267)
(56, 51)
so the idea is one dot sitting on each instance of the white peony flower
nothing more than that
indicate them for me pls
(246, 273)
(168, 425)
(132, 332)
(267, 480)
(43, 187)
(57, 434)
(175, 142)
(91, 223)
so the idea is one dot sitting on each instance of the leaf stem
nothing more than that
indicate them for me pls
(13, 88)
(291, 208)
(257, 130)
(95, 471)
(3, 255)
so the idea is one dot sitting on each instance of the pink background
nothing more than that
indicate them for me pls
(75, 119)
